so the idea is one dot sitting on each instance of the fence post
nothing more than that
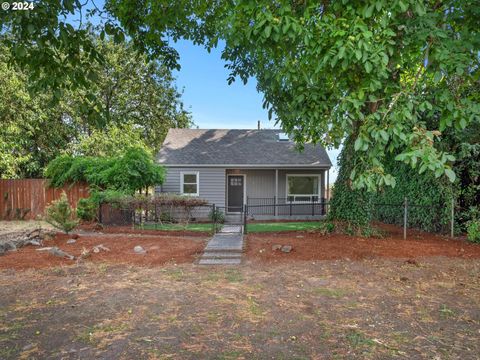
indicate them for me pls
(156, 216)
(313, 207)
(100, 217)
(275, 211)
(290, 206)
(245, 211)
(452, 220)
(214, 220)
(405, 210)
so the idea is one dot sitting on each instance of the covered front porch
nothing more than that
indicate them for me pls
(291, 193)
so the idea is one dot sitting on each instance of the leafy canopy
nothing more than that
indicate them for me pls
(372, 69)
(134, 170)
(132, 102)
(376, 70)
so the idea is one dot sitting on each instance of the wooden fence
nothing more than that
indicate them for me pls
(26, 199)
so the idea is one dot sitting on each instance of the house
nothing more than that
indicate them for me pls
(257, 168)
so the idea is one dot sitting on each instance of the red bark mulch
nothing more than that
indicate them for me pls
(159, 250)
(315, 246)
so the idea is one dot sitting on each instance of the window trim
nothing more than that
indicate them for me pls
(319, 188)
(182, 182)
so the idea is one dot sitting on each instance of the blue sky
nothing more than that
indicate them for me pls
(215, 104)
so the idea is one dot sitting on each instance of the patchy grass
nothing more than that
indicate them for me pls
(284, 226)
(233, 276)
(333, 293)
(176, 227)
(446, 312)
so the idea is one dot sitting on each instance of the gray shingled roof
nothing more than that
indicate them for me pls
(236, 147)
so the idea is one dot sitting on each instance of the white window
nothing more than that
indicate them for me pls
(189, 183)
(303, 188)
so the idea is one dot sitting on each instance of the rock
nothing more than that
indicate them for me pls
(139, 250)
(28, 347)
(7, 246)
(97, 248)
(74, 236)
(411, 262)
(287, 248)
(45, 248)
(276, 247)
(71, 241)
(60, 253)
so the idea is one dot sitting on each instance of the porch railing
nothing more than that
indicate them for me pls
(286, 206)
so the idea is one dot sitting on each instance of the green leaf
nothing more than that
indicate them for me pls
(438, 77)
(368, 67)
(419, 8)
(450, 174)
(358, 54)
(403, 6)
(267, 31)
(384, 135)
(369, 11)
(358, 144)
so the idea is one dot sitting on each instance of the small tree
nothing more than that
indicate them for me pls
(60, 214)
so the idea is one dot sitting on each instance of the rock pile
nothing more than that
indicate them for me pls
(15, 240)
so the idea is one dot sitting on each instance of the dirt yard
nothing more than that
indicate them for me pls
(369, 309)
(315, 246)
(332, 297)
(12, 226)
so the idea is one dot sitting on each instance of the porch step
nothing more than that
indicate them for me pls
(222, 254)
(220, 261)
(223, 249)
(235, 219)
(231, 229)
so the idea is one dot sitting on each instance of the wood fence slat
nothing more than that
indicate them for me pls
(20, 194)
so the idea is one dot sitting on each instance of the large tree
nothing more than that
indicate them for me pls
(129, 100)
(374, 72)
(127, 89)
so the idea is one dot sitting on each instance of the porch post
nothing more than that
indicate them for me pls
(326, 206)
(328, 184)
(276, 193)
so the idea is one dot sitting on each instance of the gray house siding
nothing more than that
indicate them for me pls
(259, 183)
(260, 188)
(211, 183)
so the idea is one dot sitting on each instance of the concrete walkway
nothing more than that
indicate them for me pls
(224, 248)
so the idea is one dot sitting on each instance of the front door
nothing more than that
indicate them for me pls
(235, 193)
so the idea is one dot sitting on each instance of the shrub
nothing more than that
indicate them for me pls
(132, 171)
(166, 217)
(473, 231)
(217, 216)
(326, 228)
(87, 209)
(353, 206)
(60, 214)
